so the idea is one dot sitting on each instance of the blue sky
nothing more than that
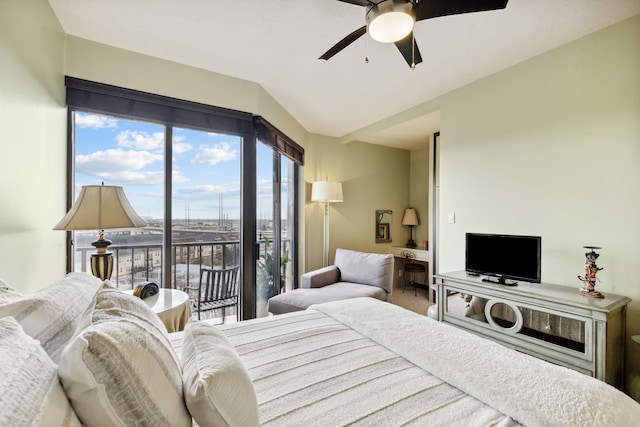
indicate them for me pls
(131, 154)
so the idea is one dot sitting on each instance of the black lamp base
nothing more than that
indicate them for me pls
(411, 243)
(102, 261)
(102, 265)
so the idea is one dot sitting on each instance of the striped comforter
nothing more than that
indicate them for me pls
(366, 362)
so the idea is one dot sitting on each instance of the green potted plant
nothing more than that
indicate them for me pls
(265, 286)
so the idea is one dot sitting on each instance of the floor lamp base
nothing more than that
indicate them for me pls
(325, 237)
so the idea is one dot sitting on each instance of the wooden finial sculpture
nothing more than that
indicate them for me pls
(591, 269)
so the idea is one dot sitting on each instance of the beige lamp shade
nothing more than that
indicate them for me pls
(100, 207)
(410, 217)
(326, 191)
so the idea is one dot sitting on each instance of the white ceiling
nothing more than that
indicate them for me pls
(276, 43)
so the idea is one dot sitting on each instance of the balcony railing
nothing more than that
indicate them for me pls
(137, 263)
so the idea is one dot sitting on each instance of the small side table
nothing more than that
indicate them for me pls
(419, 256)
(633, 381)
(172, 307)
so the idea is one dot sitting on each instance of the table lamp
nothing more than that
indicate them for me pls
(410, 218)
(326, 192)
(100, 207)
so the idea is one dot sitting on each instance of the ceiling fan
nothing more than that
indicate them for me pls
(391, 21)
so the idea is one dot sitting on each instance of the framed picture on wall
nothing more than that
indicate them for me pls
(383, 232)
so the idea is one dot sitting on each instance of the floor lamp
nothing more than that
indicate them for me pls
(99, 207)
(326, 192)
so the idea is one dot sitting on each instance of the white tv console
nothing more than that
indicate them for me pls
(551, 322)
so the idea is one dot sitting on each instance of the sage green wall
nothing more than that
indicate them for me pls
(33, 161)
(419, 192)
(106, 64)
(551, 147)
(373, 177)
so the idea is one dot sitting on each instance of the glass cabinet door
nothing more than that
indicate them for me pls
(569, 334)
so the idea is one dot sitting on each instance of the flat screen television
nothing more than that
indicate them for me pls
(503, 258)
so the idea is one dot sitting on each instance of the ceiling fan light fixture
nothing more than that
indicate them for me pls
(390, 20)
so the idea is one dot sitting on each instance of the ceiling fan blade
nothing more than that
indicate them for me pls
(358, 2)
(434, 8)
(409, 50)
(344, 42)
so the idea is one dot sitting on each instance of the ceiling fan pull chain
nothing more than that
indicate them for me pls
(366, 48)
(413, 49)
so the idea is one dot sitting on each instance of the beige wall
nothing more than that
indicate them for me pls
(33, 161)
(551, 147)
(373, 177)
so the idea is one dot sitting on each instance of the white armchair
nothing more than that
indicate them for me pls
(353, 274)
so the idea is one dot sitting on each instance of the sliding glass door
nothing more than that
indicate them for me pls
(201, 190)
(274, 225)
(128, 153)
(213, 196)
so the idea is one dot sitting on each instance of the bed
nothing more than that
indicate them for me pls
(80, 352)
(368, 362)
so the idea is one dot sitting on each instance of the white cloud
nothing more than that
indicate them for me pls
(218, 153)
(141, 140)
(115, 160)
(177, 176)
(181, 147)
(129, 177)
(95, 121)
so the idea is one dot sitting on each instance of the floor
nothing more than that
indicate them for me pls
(414, 300)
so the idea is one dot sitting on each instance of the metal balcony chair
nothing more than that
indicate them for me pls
(217, 289)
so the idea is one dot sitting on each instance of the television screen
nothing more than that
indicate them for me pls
(506, 257)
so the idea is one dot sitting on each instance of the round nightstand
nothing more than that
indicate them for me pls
(633, 381)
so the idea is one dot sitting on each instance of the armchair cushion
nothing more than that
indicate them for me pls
(366, 268)
(321, 277)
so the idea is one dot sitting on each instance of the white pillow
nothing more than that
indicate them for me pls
(217, 387)
(8, 294)
(51, 315)
(113, 298)
(121, 369)
(30, 392)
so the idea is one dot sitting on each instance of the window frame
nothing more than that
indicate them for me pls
(99, 98)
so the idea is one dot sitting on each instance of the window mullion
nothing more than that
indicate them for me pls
(167, 241)
(277, 223)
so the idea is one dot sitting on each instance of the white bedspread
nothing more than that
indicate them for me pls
(367, 362)
(531, 391)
